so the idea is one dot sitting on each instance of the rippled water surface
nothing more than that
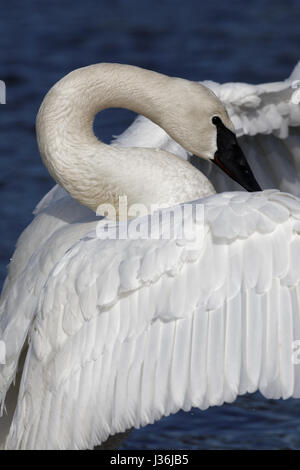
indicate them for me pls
(255, 41)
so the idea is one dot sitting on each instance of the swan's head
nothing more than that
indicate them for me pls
(204, 128)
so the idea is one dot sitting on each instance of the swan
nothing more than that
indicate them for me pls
(102, 334)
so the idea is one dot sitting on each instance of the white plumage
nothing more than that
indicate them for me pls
(122, 332)
(266, 121)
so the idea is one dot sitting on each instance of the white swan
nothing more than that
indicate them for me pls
(122, 332)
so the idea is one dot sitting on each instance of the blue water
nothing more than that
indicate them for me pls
(255, 41)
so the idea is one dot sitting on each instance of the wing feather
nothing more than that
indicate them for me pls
(285, 337)
(233, 347)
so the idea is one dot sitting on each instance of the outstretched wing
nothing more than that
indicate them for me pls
(267, 122)
(130, 330)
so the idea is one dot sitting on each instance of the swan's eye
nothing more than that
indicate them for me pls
(216, 120)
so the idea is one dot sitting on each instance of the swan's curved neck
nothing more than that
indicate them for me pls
(89, 170)
(76, 99)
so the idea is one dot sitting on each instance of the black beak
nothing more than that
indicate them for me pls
(230, 158)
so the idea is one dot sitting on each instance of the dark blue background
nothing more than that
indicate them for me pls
(41, 41)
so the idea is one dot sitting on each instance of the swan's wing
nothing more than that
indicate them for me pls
(145, 133)
(130, 330)
(267, 122)
(57, 226)
(54, 195)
